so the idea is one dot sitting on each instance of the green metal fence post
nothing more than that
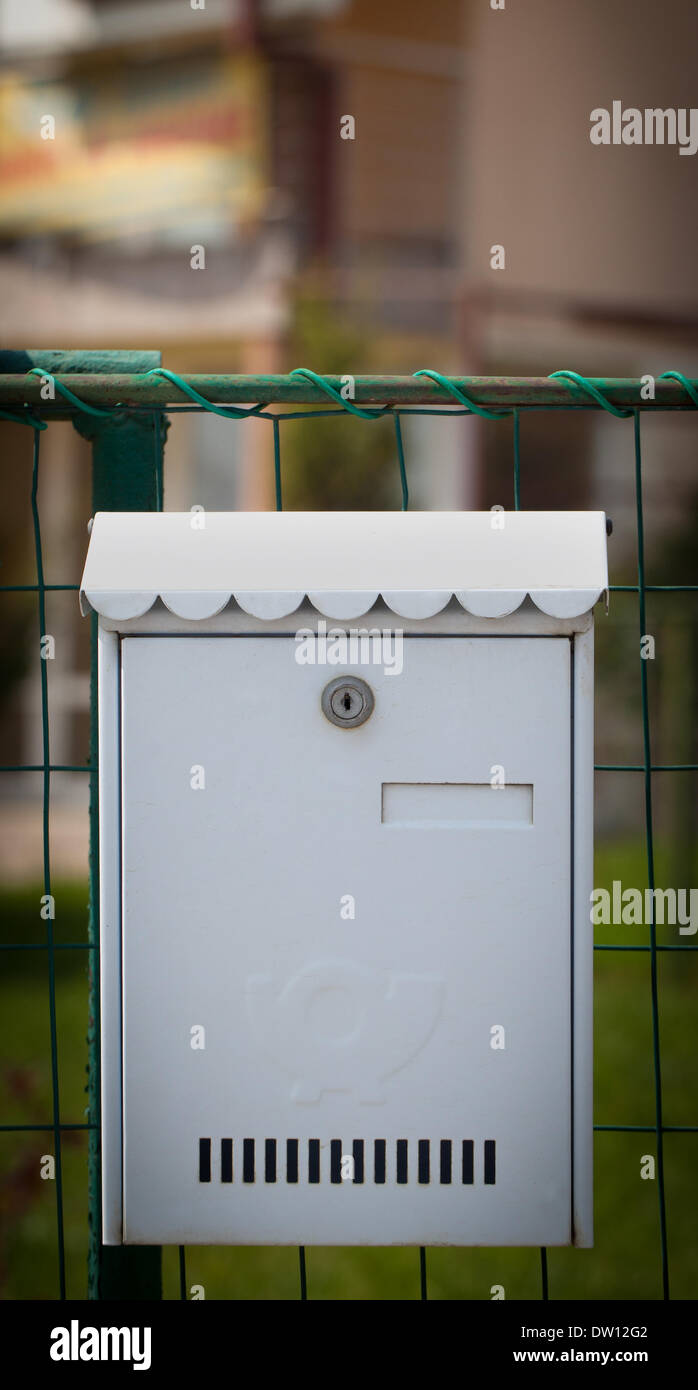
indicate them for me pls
(126, 476)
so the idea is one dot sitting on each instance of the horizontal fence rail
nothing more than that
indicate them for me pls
(491, 392)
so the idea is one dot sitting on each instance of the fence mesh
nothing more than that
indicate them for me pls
(488, 398)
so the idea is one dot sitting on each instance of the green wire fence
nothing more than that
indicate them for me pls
(117, 400)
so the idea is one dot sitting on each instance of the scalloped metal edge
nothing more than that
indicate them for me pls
(120, 606)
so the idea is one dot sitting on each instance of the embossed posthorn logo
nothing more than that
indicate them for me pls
(338, 1026)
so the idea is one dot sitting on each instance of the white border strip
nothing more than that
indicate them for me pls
(110, 934)
(583, 955)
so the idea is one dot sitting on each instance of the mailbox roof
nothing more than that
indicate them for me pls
(416, 562)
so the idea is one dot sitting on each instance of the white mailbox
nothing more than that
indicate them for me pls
(346, 858)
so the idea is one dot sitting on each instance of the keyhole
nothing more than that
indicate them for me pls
(347, 701)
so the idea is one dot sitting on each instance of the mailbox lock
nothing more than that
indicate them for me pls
(347, 701)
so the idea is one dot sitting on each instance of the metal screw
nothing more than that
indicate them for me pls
(347, 701)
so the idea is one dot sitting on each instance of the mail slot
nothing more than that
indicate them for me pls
(346, 954)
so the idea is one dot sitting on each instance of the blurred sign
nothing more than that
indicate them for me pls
(171, 152)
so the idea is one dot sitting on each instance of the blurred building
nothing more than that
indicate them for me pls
(600, 268)
(221, 127)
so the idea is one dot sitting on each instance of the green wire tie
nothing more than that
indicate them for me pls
(688, 386)
(334, 395)
(229, 412)
(63, 391)
(585, 385)
(460, 396)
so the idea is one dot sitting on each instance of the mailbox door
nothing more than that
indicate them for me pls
(346, 951)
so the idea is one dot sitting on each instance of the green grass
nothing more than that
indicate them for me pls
(623, 1264)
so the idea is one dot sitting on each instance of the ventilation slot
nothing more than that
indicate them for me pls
(398, 1162)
